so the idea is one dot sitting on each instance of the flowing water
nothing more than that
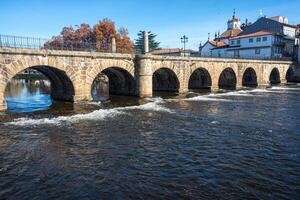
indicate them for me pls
(235, 145)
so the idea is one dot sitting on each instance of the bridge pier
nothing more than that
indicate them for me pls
(262, 86)
(2, 103)
(144, 77)
(3, 107)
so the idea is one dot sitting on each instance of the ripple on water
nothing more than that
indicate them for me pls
(166, 149)
(154, 105)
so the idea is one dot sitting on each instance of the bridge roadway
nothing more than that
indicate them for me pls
(72, 73)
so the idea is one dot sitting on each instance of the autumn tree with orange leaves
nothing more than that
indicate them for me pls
(99, 38)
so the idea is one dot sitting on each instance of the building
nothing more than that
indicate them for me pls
(262, 44)
(267, 38)
(233, 30)
(276, 25)
(175, 52)
(280, 19)
(206, 49)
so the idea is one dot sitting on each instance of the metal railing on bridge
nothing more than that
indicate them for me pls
(52, 44)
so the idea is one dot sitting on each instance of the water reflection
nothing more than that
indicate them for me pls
(27, 95)
(100, 88)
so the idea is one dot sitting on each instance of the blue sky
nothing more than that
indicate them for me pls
(169, 19)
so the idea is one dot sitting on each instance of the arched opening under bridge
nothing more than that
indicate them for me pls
(35, 88)
(227, 79)
(113, 81)
(200, 79)
(165, 80)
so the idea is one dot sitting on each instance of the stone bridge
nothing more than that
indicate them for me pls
(72, 73)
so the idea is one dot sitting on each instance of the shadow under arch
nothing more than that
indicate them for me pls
(227, 79)
(200, 79)
(274, 76)
(62, 88)
(290, 75)
(113, 81)
(165, 80)
(249, 78)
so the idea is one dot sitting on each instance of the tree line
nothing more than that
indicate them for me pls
(99, 37)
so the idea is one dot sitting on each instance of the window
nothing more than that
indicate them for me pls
(251, 40)
(232, 42)
(265, 39)
(236, 53)
(257, 51)
(238, 42)
(258, 39)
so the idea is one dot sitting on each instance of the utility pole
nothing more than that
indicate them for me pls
(184, 40)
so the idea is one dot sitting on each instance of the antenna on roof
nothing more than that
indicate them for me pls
(208, 36)
(260, 13)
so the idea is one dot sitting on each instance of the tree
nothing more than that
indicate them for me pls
(103, 32)
(99, 37)
(124, 44)
(139, 43)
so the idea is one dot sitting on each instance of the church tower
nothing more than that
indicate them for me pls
(233, 23)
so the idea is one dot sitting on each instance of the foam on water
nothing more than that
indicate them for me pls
(207, 98)
(245, 93)
(155, 105)
(95, 115)
(285, 88)
(264, 91)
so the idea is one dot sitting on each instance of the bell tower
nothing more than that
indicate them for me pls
(233, 23)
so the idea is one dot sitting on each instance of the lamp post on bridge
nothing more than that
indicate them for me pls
(184, 39)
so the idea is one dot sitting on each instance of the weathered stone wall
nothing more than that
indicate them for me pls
(79, 69)
(183, 67)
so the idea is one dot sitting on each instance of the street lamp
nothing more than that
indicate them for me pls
(184, 40)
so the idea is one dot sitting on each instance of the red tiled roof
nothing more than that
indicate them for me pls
(230, 33)
(216, 43)
(259, 33)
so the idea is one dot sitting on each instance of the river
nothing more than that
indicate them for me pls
(235, 145)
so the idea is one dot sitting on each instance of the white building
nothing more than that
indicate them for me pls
(261, 44)
(206, 49)
(277, 25)
(280, 19)
(233, 29)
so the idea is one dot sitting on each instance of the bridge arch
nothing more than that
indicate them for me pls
(62, 87)
(227, 79)
(249, 78)
(119, 76)
(200, 79)
(118, 80)
(290, 74)
(274, 77)
(165, 80)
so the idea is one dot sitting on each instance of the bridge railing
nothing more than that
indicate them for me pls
(22, 42)
(54, 44)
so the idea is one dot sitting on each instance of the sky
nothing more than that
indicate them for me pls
(169, 19)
